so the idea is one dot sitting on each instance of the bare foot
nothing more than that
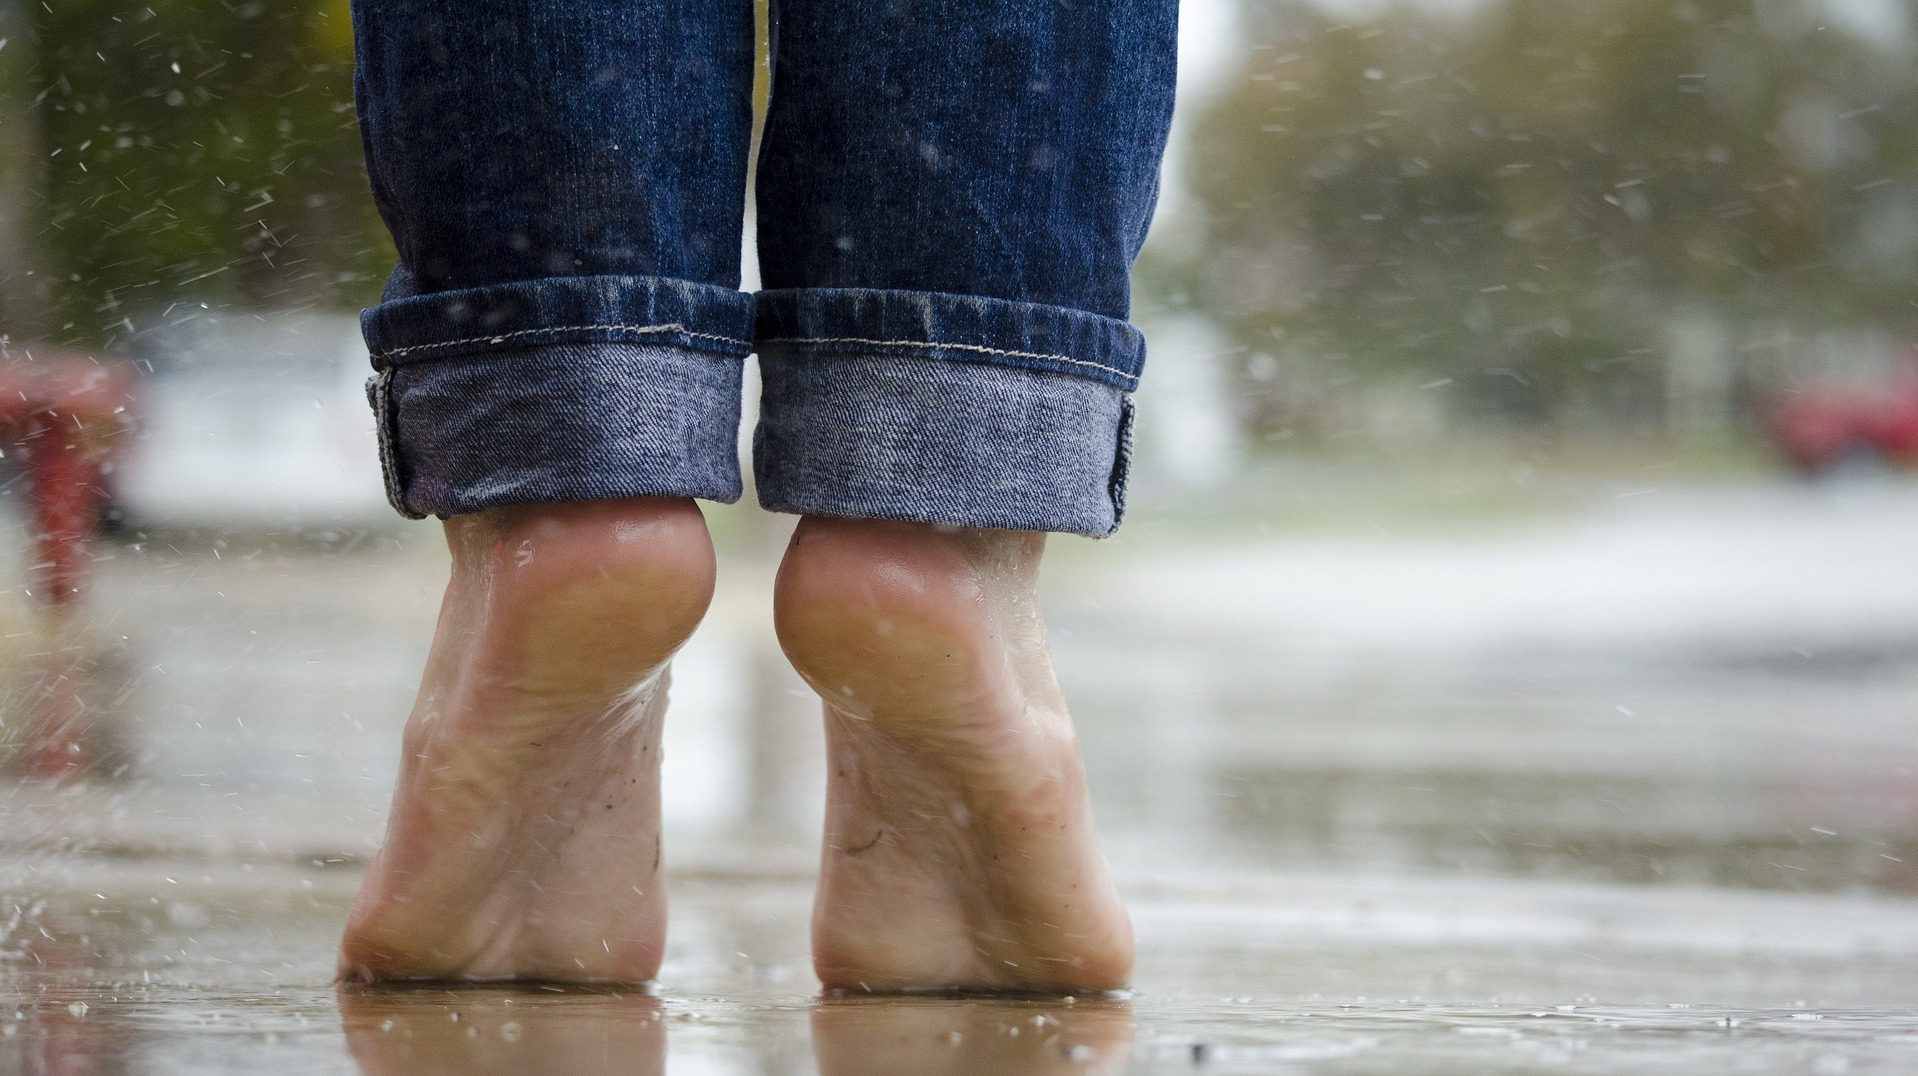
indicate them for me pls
(959, 851)
(524, 837)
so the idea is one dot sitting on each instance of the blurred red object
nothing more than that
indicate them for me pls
(63, 416)
(1821, 428)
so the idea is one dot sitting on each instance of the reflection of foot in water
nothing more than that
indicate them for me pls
(421, 1031)
(857, 1036)
(524, 837)
(959, 850)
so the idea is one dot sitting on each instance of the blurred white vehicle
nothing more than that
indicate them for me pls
(254, 422)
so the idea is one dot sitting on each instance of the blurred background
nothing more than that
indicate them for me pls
(1524, 497)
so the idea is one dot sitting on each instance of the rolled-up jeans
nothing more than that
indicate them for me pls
(950, 195)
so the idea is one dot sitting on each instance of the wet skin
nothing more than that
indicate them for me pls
(959, 850)
(523, 843)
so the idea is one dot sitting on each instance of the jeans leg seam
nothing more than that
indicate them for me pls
(957, 347)
(671, 327)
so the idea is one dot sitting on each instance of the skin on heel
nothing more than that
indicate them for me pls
(959, 851)
(523, 839)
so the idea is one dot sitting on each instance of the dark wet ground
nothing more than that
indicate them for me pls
(1635, 791)
(225, 969)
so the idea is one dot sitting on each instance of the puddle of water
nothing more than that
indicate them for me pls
(123, 967)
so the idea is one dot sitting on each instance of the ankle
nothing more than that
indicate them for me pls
(859, 602)
(607, 586)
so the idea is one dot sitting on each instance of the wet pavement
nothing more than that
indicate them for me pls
(1628, 789)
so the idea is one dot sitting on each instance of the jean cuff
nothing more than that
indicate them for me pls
(978, 444)
(940, 326)
(542, 425)
(564, 389)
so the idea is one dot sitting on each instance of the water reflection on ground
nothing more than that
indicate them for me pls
(1636, 790)
(428, 1031)
(126, 968)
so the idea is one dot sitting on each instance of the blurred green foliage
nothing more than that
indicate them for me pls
(1515, 204)
(168, 153)
(195, 150)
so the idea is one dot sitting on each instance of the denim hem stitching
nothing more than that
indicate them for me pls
(957, 347)
(673, 327)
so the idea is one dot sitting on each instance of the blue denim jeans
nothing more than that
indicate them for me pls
(950, 194)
